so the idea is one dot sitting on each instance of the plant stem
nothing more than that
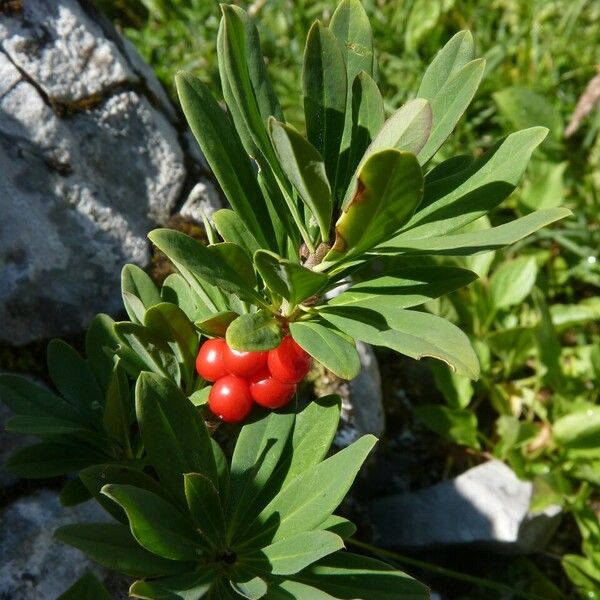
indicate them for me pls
(486, 583)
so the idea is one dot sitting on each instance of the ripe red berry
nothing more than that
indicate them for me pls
(244, 364)
(230, 399)
(288, 363)
(210, 362)
(269, 392)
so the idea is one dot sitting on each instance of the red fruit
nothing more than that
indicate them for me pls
(244, 364)
(210, 362)
(288, 363)
(269, 392)
(230, 399)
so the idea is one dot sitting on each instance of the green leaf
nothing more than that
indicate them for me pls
(233, 229)
(113, 546)
(525, 108)
(449, 103)
(176, 290)
(42, 425)
(340, 526)
(118, 408)
(390, 187)
(406, 130)
(415, 334)
(290, 280)
(458, 51)
(406, 287)
(224, 153)
(206, 508)
(368, 117)
(324, 87)
(75, 381)
(26, 398)
(579, 430)
(101, 343)
(311, 497)
(73, 493)
(473, 242)
(457, 389)
(94, 478)
(87, 587)
(262, 447)
(294, 553)
(237, 259)
(200, 397)
(254, 332)
(202, 263)
(448, 167)
(217, 324)
(456, 425)
(157, 525)
(304, 167)
(314, 430)
(187, 586)
(328, 347)
(293, 590)
(512, 282)
(545, 186)
(50, 459)
(139, 292)
(455, 201)
(352, 29)
(173, 432)
(172, 325)
(244, 81)
(245, 583)
(144, 350)
(348, 576)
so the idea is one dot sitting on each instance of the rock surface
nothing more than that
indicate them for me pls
(33, 565)
(362, 401)
(91, 160)
(487, 505)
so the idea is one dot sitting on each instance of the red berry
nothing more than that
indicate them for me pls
(244, 364)
(210, 360)
(230, 399)
(288, 363)
(269, 392)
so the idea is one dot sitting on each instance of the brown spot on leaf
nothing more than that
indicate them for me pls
(340, 244)
(359, 195)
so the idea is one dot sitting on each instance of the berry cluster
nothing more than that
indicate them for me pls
(239, 378)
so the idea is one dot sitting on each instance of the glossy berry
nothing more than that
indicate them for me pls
(269, 392)
(210, 362)
(244, 364)
(230, 399)
(288, 362)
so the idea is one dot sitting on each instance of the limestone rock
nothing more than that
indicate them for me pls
(33, 565)
(487, 505)
(204, 199)
(90, 161)
(362, 401)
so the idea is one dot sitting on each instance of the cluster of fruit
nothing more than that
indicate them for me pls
(241, 378)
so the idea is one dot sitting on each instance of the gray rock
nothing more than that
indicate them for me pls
(33, 565)
(487, 505)
(204, 199)
(9, 443)
(56, 45)
(362, 401)
(90, 162)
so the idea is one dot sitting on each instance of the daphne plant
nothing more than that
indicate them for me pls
(264, 524)
(355, 200)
